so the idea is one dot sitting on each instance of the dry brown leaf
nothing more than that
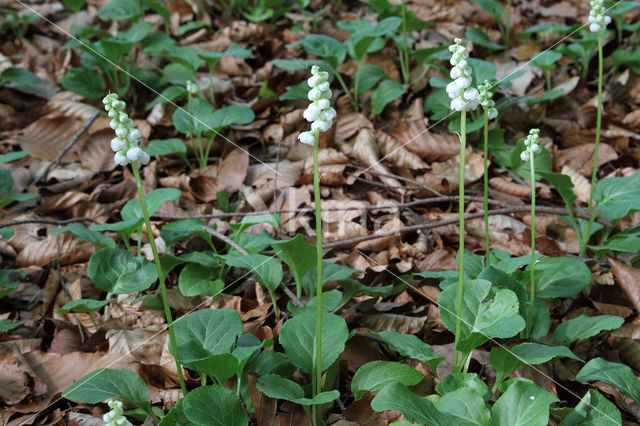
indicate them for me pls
(632, 119)
(265, 407)
(509, 187)
(339, 231)
(62, 202)
(395, 322)
(629, 280)
(610, 309)
(233, 170)
(348, 125)
(580, 158)
(581, 185)
(365, 149)
(382, 243)
(341, 215)
(415, 137)
(43, 252)
(396, 153)
(444, 176)
(14, 382)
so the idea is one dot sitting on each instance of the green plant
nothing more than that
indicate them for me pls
(6, 181)
(490, 112)
(528, 155)
(19, 76)
(211, 58)
(365, 37)
(546, 62)
(16, 23)
(495, 9)
(463, 98)
(320, 114)
(598, 23)
(125, 144)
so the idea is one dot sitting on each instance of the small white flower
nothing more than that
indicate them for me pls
(144, 158)
(120, 158)
(524, 156)
(484, 96)
(314, 94)
(122, 132)
(492, 113)
(118, 144)
(307, 138)
(321, 125)
(470, 94)
(314, 81)
(597, 18)
(312, 112)
(116, 417)
(594, 28)
(133, 136)
(114, 123)
(458, 104)
(532, 397)
(134, 154)
(323, 103)
(123, 117)
(531, 145)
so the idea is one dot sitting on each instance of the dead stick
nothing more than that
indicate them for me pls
(66, 149)
(437, 224)
(46, 221)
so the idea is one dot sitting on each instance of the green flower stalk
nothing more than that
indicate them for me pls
(463, 98)
(490, 112)
(116, 417)
(532, 148)
(320, 114)
(125, 144)
(599, 22)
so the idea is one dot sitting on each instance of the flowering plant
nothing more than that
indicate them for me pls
(463, 97)
(597, 18)
(125, 144)
(319, 112)
(115, 417)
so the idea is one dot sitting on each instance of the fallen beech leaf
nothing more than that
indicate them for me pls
(383, 242)
(580, 158)
(509, 187)
(396, 153)
(348, 125)
(581, 185)
(332, 216)
(14, 382)
(365, 149)
(233, 170)
(629, 280)
(395, 322)
(339, 231)
(265, 407)
(42, 252)
(415, 137)
(610, 309)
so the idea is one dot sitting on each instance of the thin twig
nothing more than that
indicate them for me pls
(292, 296)
(437, 224)
(402, 178)
(66, 149)
(222, 237)
(46, 221)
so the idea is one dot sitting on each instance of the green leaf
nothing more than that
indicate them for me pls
(593, 410)
(523, 404)
(85, 306)
(464, 407)
(226, 116)
(374, 375)
(266, 269)
(370, 75)
(477, 36)
(330, 272)
(562, 184)
(387, 91)
(196, 280)
(163, 147)
(248, 221)
(182, 230)
(221, 367)
(191, 120)
(352, 287)
(627, 241)
(584, 327)
(85, 82)
(560, 277)
(617, 197)
(492, 7)
(169, 94)
(74, 5)
(542, 161)
(297, 336)
(438, 104)
(483, 317)
(455, 381)
(615, 374)
(482, 70)
(201, 334)
(7, 233)
(505, 361)
(81, 232)
(411, 346)
(12, 156)
(156, 43)
(7, 325)
(278, 387)
(120, 10)
(6, 181)
(546, 60)
(301, 64)
(234, 49)
(107, 383)
(153, 200)
(298, 254)
(214, 406)
(361, 41)
(330, 302)
(325, 47)
(414, 408)
(116, 271)
(18, 75)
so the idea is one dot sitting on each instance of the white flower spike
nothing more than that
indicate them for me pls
(485, 97)
(319, 113)
(462, 96)
(125, 144)
(531, 145)
(115, 417)
(597, 18)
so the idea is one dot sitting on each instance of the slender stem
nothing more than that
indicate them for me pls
(355, 86)
(93, 321)
(596, 150)
(161, 277)
(507, 29)
(487, 247)
(463, 147)
(317, 348)
(211, 88)
(547, 75)
(404, 62)
(532, 281)
(345, 88)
